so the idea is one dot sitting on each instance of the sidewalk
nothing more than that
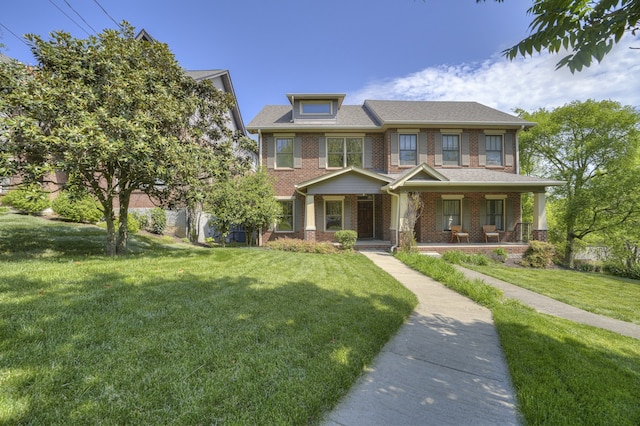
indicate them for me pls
(445, 365)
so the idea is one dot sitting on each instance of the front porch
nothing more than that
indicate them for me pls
(513, 249)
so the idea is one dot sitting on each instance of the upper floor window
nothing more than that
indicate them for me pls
(284, 152)
(493, 151)
(316, 107)
(344, 152)
(285, 220)
(408, 149)
(451, 150)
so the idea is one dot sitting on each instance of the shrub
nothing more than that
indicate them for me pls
(499, 254)
(459, 258)
(347, 238)
(158, 221)
(77, 208)
(538, 255)
(133, 226)
(301, 246)
(30, 199)
(142, 218)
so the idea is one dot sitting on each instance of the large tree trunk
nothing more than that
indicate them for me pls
(110, 248)
(123, 236)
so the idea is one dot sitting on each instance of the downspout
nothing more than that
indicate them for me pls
(304, 225)
(393, 248)
(259, 148)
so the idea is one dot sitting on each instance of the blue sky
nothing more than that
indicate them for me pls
(375, 49)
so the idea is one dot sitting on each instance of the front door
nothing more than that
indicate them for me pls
(365, 217)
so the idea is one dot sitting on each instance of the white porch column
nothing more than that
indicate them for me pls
(310, 218)
(404, 204)
(539, 211)
(394, 213)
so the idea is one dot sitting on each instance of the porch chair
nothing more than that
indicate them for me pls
(457, 232)
(489, 231)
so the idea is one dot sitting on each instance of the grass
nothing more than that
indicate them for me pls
(598, 293)
(564, 373)
(180, 335)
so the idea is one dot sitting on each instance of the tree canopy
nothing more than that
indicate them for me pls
(588, 29)
(593, 147)
(116, 115)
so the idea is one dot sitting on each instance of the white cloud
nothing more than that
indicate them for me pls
(528, 83)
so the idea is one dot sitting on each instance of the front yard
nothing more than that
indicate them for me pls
(180, 335)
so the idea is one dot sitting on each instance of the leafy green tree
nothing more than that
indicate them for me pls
(587, 28)
(117, 115)
(224, 207)
(593, 147)
(259, 208)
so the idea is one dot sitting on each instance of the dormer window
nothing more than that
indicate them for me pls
(316, 108)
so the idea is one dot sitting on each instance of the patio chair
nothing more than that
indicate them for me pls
(489, 231)
(457, 232)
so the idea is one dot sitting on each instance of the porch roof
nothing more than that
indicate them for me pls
(348, 170)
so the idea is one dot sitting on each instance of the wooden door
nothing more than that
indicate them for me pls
(365, 219)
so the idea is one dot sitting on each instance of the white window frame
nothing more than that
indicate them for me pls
(444, 136)
(324, 206)
(328, 102)
(345, 162)
(293, 215)
(400, 161)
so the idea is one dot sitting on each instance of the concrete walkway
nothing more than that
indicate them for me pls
(445, 366)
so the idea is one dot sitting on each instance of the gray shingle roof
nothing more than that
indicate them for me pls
(4, 58)
(203, 74)
(379, 114)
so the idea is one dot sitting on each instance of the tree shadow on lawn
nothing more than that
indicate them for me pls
(184, 348)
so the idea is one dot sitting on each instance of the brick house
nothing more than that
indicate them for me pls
(355, 166)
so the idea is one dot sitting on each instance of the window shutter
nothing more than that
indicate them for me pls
(271, 153)
(322, 152)
(347, 214)
(508, 150)
(465, 149)
(422, 147)
(482, 150)
(394, 149)
(298, 208)
(368, 153)
(438, 137)
(466, 215)
(483, 212)
(439, 223)
(297, 152)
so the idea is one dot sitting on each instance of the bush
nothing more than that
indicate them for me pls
(158, 221)
(538, 255)
(301, 246)
(347, 238)
(77, 208)
(621, 270)
(499, 254)
(31, 199)
(459, 258)
(142, 218)
(133, 226)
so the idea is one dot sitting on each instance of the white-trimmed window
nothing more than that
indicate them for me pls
(495, 213)
(333, 213)
(408, 149)
(316, 107)
(285, 219)
(451, 213)
(493, 150)
(344, 151)
(451, 150)
(284, 152)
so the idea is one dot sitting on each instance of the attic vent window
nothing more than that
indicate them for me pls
(316, 107)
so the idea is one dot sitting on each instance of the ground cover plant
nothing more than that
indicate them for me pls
(181, 335)
(563, 372)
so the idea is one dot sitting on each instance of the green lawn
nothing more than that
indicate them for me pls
(598, 293)
(180, 335)
(564, 373)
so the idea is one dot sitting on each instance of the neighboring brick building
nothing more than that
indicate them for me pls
(354, 166)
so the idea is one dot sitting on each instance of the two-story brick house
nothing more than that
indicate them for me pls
(353, 167)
